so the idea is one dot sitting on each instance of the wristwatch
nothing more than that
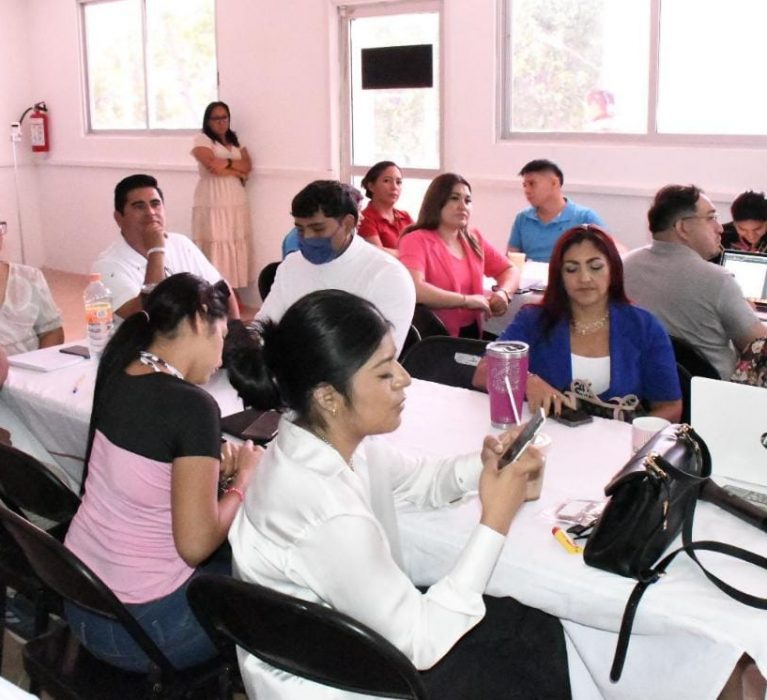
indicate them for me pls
(498, 288)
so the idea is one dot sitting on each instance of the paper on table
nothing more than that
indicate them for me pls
(44, 360)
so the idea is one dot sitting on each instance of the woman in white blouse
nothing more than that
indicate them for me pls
(221, 225)
(319, 522)
(29, 318)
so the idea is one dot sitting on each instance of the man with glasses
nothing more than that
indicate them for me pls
(695, 301)
(146, 253)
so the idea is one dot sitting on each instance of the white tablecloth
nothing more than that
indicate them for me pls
(688, 634)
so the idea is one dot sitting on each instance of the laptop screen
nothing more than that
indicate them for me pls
(750, 271)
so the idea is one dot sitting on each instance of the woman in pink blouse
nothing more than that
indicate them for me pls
(448, 260)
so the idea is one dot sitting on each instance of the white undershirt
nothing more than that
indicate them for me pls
(593, 369)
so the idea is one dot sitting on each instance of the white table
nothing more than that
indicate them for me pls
(58, 416)
(533, 272)
(688, 634)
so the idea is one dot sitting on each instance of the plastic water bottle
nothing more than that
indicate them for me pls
(98, 314)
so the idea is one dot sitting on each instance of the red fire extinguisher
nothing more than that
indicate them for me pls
(38, 127)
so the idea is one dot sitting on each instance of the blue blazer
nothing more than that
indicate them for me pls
(641, 357)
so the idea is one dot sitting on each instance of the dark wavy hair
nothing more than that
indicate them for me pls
(374, 173)
(324, 338)
(436, 196)
(670, 204)
(179, 297)
(555, 302)
(749, 205)
(231, 136)
(130, 183)
(331, 197)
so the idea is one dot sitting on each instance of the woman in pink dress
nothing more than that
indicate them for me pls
(448, 260)
(221, 225)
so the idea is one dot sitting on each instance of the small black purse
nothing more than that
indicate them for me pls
(651, 499)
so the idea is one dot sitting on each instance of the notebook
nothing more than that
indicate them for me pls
(44, 360)
(750, 272)
(732, 419)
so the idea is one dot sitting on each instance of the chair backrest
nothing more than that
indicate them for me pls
(445, 360)
(63, 572)
(685, 381)
(427, 323)
(266, 278)
(412, 337)
(692, 359)
(28, 486)
(303, 638)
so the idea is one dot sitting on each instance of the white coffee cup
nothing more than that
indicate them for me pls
(644, 428)
(542, 443)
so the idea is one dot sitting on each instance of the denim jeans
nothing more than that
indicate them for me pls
(169, 621)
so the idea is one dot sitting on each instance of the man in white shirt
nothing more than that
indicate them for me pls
(695, 300)
(332, 256)
(146, 253)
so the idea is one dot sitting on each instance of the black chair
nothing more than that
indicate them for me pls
(445, 360)
(427, 323)
(303, 638)
(692, 359)
(685, 381)
(29, 488)
(63, 667)
(266, 278)
(412, 337)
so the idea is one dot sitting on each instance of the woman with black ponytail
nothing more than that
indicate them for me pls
(150, 514)
(319, 521)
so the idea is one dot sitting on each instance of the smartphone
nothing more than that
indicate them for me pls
(264, 428)
(79, 350)
(572, 417)
(524, 439)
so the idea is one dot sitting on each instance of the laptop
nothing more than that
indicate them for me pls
(732, 419)
(750, 272)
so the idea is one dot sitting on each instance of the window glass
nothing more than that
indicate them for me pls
(578, 66)
(150, 64)
(400, 124)
(712, 65)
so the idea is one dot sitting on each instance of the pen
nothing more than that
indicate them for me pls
(564, 539)
(79, 381)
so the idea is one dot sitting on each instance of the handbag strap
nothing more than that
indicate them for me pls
(650, 577)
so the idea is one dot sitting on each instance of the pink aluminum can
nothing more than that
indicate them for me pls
(506, 359)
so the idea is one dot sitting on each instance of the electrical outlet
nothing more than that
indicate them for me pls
(15, 132)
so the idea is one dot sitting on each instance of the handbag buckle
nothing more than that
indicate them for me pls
(652, 467)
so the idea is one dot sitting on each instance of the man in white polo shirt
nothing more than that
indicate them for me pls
(146, 253)
(332, 256)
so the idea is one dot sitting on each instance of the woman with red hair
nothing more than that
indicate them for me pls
(585, 328)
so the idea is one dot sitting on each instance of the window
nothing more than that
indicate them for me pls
(633, 67)
(149, 64)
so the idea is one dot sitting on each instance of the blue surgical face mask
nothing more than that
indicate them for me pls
(317, 250)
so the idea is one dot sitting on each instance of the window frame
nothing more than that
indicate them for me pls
(86, 92)
(651, 137)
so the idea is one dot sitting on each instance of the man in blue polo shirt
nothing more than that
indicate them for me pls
(537, 228)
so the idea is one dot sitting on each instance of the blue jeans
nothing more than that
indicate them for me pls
(169, 621)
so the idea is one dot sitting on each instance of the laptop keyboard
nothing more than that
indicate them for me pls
(756, 497)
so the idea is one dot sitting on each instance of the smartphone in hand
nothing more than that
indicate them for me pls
(524, 439)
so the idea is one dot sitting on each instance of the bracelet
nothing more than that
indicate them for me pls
(498, 289)
(237, 490)
(157, 249)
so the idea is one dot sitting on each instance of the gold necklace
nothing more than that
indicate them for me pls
(592, 327)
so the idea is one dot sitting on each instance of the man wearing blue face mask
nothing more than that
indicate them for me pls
(332, 256)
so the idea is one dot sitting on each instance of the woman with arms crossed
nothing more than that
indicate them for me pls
(221, 225)
(151, 515)
(319, 522)
(585, 328)
(448, 260)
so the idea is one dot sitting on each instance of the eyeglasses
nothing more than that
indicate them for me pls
(711, 218)
(219, 119)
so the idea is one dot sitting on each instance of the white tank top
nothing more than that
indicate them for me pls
(593, 369)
